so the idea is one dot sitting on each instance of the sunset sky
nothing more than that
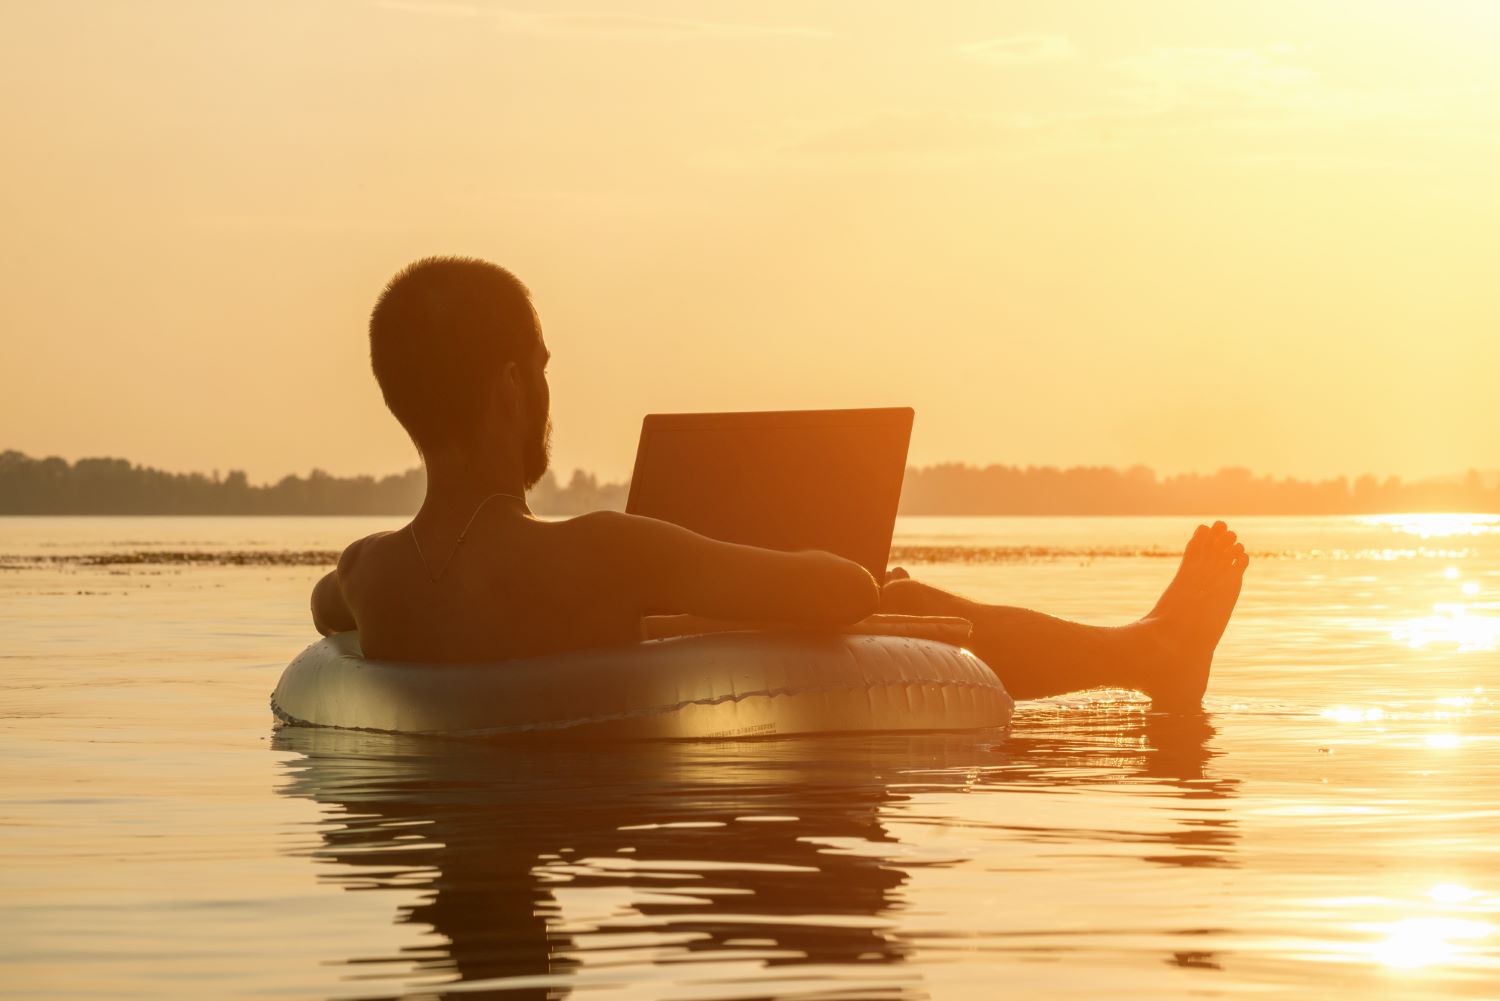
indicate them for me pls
(1183, 234)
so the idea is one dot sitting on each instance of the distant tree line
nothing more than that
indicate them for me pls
(115, 486)
(955, 488)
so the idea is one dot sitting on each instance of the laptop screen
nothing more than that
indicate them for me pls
(789, 480)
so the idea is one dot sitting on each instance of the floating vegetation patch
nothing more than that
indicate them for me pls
(178, 557)
(1043, 554)
(916, 555)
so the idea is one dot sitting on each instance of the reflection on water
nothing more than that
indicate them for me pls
(543, 867)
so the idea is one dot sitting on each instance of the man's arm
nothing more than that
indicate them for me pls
(330, 609)
(330, 612)
(671, 569)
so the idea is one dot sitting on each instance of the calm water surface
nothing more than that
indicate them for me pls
(1327, 828)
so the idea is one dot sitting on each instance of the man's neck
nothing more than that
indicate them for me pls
(460, 480)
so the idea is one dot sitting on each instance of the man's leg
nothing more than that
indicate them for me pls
(1167, 654)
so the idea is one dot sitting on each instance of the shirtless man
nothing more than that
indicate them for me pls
(458, 351)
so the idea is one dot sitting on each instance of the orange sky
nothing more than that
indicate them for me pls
(1179, 233)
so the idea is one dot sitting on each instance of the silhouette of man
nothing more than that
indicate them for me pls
(458, 351)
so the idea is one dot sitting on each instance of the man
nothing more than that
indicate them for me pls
(460, 358)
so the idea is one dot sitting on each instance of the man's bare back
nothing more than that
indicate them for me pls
(521, 587)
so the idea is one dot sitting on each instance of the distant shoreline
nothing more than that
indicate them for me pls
(109, 487)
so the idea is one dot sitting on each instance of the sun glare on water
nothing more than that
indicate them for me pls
(1423, 941)
(1348, 714)
(1451, 893)
(1450, 623)
(1416, 943)
(1461, 616)
(1438, 526)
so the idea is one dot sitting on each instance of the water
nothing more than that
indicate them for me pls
(1327, 828)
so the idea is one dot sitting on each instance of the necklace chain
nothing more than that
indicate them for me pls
(412, 528)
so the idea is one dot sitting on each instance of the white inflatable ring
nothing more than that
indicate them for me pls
(724, 685)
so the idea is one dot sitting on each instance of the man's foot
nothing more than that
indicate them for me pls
(1190, 617)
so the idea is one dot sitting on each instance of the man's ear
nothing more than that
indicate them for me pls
(512, 392)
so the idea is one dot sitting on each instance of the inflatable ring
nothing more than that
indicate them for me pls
(722, 685)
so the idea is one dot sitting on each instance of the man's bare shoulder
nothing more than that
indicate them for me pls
(607, 529)
(332, 604)
(628, 530)
(354, 552)
(609, 522)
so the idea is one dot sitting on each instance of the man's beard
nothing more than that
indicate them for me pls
(536, 449)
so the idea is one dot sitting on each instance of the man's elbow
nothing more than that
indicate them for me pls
(319, 618)
(853, 595)
(330, 613)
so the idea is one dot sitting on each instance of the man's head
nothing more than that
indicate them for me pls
(458, 353)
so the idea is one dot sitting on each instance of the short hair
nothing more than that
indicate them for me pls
(439, 333)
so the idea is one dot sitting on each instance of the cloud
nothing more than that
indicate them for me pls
(613, 25)
(940, 139)
(1251, 106)
(1229, 101)
(602, 25)
(434, 7)
(1021, 50)
(1218, 79)
(930, 134)
(1266, 89)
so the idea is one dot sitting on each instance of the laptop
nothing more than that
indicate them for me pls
(788, 480)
